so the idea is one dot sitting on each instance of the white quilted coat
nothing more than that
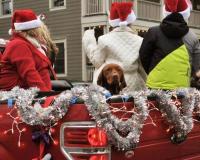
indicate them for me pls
(121, 46)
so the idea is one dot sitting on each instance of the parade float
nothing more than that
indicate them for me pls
(86, 123)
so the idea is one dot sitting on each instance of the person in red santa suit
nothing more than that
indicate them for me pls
(120, 46)
(24, 61)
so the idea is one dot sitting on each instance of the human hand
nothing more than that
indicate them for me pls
(195, 80)
(88, 38)
(89, 32)
(198, 74)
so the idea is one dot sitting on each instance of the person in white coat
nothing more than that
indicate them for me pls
(120, 46)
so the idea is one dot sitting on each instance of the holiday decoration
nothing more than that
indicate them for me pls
(179, 115)
(177, 106)
(15, 124)
(121, 14)
(115, 127)
(183, 7)
(16, 92)
(25, 20)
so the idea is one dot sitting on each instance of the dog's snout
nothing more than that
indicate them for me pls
(112, 78)
(115, 76)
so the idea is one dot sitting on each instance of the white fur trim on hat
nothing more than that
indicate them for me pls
(123, 23)
(27, 25)
(116, 22)
(131, 18)
(185, 13)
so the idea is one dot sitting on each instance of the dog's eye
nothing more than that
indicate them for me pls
(118, 69)
(108, 70)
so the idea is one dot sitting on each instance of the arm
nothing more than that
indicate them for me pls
(147, 49)
(195, 79)
(95, 52)
(196, 57)
(22, 58)
(141, 71)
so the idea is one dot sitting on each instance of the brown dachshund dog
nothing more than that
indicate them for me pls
(112, 78)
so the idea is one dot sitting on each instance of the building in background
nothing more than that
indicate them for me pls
(64, 22)
(68, 19)
(149, 13)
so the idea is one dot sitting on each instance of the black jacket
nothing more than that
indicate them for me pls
(160, 41)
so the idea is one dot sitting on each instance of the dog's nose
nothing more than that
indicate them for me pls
(115, 77)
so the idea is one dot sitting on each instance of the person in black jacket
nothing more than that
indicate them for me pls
(171, 51)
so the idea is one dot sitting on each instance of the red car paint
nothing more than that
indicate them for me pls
(154, 143)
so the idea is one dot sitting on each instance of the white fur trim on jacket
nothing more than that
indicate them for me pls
(27, 25)
(116, 22)
(36, 44)
(185, 13)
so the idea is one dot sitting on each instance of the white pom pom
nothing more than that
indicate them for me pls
(124, 23)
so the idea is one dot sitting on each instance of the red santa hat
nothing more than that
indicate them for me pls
(25, 20)
(121, 14)
(181, 6)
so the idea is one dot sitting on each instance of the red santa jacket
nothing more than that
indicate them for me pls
(25, 66)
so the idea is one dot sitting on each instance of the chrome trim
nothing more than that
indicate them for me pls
(67, 151)
(91, 150)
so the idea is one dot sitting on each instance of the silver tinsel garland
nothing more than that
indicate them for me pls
(197, 102)
(180, 118)
(34, 114)
(17, 92)
(122, 134)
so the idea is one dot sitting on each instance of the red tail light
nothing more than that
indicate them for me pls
(90, 157)
(97, 137)
(83, 141)
(101, 157)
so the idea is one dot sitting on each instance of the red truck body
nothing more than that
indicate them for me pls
(154, 143)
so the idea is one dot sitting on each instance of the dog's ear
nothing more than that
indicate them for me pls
(122, 81)
(101, 80)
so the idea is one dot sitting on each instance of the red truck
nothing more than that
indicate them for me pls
(77, 137)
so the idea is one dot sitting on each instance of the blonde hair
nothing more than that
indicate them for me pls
(42, 35)
(45, 37)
